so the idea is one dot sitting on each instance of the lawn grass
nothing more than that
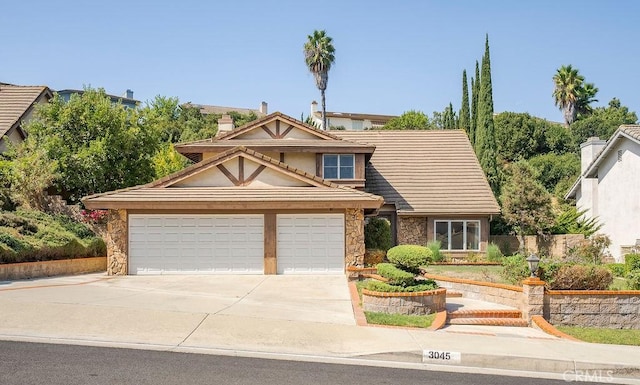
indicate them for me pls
(477, 273)
(619, 284)
(603, 336)
(416, 321)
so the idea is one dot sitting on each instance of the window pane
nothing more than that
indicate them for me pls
(473, 235)
(330, 172)
(331, 160)
(442, 234)
(346, 172)
(346, 160)
(457, 235)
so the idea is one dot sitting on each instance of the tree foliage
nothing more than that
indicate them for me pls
(602, 122)
(552, 169)
(409, 120)
(99, 146)
(571, 94)
(485, 143)
(526, 205)
(464, 121)
(167, 161)
(475, 92)
(319, 55)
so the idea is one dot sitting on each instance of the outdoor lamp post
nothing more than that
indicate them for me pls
(533, 261)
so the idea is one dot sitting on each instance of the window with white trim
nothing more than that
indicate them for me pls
(338, 166)
(458, 234)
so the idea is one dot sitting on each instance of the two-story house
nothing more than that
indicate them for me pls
(349, 120)
(609, 187)
(17, 105)
(126, 99)
(277, 196)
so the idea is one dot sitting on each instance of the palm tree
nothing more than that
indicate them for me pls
(586, 96)
(319, 56)
(568, 83)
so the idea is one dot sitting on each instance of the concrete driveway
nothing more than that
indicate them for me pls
(323, 299)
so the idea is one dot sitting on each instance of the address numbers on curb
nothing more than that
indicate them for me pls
(441, 357)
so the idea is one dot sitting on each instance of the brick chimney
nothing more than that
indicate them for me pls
(589, 151)
(263, 108)
(225, 124)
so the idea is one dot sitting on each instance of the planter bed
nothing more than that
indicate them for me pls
(416, 303)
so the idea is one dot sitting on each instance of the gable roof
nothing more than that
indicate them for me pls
(206, 109)
(321, 194)
(426, 172)
(16, 102)
(624, 132)
(326, 141)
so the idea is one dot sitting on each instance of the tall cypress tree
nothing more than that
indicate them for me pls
(465, 118)
(475, 91)
(485, 133)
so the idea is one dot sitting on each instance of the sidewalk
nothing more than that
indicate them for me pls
(42, 312)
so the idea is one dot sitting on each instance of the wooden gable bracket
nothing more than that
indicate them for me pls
(278, 134)
(240, 180)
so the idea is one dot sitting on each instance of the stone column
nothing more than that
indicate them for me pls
(354, 237)
(533, 293)
(412, 230)
(117, 242)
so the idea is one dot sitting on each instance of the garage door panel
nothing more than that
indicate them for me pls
(310, 243)
(196, 244)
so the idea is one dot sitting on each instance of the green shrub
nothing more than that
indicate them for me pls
(632, 262)
(593, 250)
(581, 277)
(377, 234)
(436, 254)
(374, 256)
(96, 248)
(21, 225)
(395, 275)
(515, 269)
(409, 257)
(384, 287)
(493, 253)
(617, 269)
(14, 243)
(633, 279)
(78, 229)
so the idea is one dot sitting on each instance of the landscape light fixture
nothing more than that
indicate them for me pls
(533, 261)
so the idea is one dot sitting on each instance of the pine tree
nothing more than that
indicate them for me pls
(465, 117)
(485, 135)
(475, 91)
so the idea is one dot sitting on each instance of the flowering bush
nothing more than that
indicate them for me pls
(94, 216)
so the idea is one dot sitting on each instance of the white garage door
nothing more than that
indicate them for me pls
(196, 244)
(310, 244)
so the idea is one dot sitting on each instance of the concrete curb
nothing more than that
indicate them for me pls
(540, 323)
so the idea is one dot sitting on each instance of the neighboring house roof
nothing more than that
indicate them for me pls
(628, 131)
(432, 172)
(114, 98)
(220, 110)
(228, 140)
(16, 102)
(319, 194)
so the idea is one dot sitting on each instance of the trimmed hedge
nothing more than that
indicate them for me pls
(632, 262)
(377, 234)
(386, 288)
(581, 277)
(409, 257)
(395, 275)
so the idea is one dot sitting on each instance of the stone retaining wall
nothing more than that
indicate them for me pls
(26, 270)
(485, 291)
(418, 303)
(607, 309)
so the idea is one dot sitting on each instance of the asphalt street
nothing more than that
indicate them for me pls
(32, 363)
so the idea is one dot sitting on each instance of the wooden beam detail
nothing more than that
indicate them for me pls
(282, 157)
(359, 167)
(319, 165)
(270, 243)
(229, 175)
(278, 129)
(268, 131)
(254, 175)
(288, 130)
(241, 170)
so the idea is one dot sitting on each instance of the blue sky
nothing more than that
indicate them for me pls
(390, 56)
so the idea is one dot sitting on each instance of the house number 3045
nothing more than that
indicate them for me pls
(441, 356)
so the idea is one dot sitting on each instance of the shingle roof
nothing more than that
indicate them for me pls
(15, 102)
(432, 172)
(633, 130)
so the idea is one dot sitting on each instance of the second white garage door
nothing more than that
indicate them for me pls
(196, 244)
(310, 244)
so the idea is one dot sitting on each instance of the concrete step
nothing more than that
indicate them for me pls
(488, 321)
(484, 313)
(453, 294)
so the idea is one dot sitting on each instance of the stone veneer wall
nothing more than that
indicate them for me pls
(412, 230)
(117, 240)
(29, 270)
(609, 309)
(354, 237)
(416, 303)
(485, 291)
